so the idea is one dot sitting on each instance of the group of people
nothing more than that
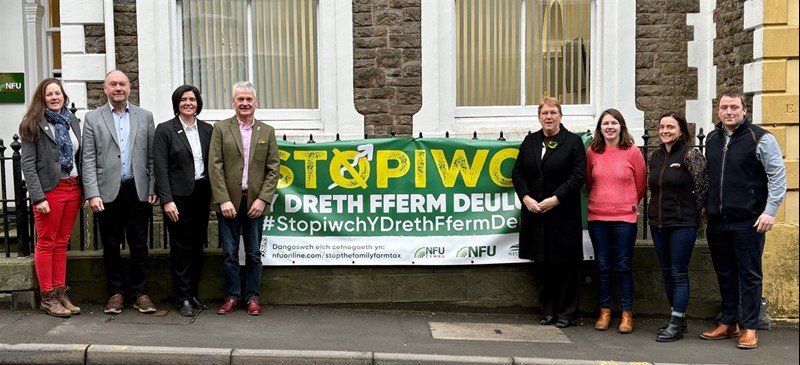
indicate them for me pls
(122, 165)
(736, 189)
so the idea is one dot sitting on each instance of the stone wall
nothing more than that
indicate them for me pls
(733, 48)
(127, 53)
(387, 71)
(664, 81)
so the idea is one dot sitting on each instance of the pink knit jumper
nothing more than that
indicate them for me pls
(616, 181)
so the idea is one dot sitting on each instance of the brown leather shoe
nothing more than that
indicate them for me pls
(63, 298)
(604, 320)
(721, 332)
(144, 304)
(626, 325)
(229, 306)
(749, 339)
(253, 307)
(114, 305)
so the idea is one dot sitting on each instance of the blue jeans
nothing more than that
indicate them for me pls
(613, 249)
(674, 249)
(251, 230)
(736, 250)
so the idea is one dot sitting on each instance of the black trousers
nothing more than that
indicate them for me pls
(125, 220)
(187, 237)
(560, 292)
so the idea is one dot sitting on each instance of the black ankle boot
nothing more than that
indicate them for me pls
(673, 331)
(684, 327)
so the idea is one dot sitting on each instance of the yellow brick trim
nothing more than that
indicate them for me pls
(780, 135)
(779, 109)
(792, 76)
(781, 41)
(773, 75)
(776, 11)
(780, 271)
(792, 173)
(792, 142)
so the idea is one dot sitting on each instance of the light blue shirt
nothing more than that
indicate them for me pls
(123, 125)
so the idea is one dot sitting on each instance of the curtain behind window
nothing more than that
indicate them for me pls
(494, 38)
(270, 43)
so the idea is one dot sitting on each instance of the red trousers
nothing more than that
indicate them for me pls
(53, 230)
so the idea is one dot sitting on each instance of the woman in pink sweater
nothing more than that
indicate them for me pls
(615, 178)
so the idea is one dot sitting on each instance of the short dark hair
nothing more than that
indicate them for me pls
(734, 94)
(176, 97)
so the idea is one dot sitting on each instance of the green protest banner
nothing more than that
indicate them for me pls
(398, 201)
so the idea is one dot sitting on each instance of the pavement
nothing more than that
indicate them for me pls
(327, 335)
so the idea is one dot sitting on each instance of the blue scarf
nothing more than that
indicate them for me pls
(60, 122)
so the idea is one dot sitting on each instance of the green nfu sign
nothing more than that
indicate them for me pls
(12, 87)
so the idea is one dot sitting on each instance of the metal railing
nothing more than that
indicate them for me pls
(17, 210)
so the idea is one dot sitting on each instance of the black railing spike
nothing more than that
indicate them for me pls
(337, 137)
(311, 139)
(446, 134)
(701, 136)
(420, 134)
(366, 136)
(284, 137)
(475, 135)
(73, 109)
(529, 132)
(393, 134)
(646, 136)
(501, 137)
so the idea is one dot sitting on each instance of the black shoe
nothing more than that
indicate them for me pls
(684, 328)
(548, 320)
(564, 323)
(197, 304)
(186, 309)
(673, 331)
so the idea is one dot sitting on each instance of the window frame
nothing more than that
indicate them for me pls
(159, 62)
(612, 77)
(298, 118)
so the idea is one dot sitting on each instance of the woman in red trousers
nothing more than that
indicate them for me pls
(51, 137)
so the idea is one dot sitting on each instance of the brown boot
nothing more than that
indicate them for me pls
(61, 295)
(603, 321)
(626, 326)
(52, 306)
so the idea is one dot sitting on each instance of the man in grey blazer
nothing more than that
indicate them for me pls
(118, 183)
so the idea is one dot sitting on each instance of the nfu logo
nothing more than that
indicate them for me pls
(514, 250)
(429, 253)
(10, 86)
(477, 251)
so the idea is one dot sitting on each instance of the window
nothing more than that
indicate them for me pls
(514, 52)
(273, 43)
(53, 31)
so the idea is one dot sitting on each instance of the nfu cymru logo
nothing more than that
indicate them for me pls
(514, 250)
(429, 253)
(12, 88)
(477, 251)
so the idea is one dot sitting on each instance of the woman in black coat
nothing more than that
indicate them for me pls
(548, 175)
(180, 165)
